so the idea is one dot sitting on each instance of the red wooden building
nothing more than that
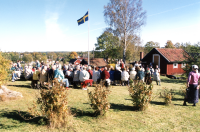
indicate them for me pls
(75, 61)
(169, 60)
(99, 62)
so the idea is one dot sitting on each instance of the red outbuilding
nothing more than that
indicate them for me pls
(170, 61)
(75, 61)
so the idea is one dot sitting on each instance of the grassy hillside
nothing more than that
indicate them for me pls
(121, 117)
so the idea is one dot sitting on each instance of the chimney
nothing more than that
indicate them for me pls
(141, 55)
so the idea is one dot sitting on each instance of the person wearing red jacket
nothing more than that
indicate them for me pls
(105, 76)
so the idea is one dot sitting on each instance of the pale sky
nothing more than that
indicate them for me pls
(51, 25)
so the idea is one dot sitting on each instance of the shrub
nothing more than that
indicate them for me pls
(183, 90)
(53, 105)
(4, 67)
(140, 94)
(99, 100)
(167, 95)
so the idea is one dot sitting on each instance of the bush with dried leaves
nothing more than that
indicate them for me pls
(140, 94)
(4, 68)
(53, 105)
(167, 95)
(99, 100)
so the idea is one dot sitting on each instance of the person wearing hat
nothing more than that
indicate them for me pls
(192, 90)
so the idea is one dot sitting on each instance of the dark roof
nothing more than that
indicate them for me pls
(84, 61)
(72, 61)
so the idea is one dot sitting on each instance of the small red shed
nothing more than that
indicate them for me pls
(75, 61)
(99, 62)
(170, 61)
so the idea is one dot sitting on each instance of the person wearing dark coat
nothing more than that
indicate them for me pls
(148, 76)
(50, 74)
(117, 76)
(112, 76)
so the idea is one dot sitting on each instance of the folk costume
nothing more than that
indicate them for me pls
(192, 91)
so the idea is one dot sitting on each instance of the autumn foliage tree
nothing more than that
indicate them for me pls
(4, 67)
(125, 17)
(73, 55)
(169, 44)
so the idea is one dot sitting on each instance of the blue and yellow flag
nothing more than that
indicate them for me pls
(83, 19)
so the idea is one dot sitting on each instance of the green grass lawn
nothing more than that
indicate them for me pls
(120, 117)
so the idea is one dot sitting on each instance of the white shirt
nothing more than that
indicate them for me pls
(124, 76)
(84, 75)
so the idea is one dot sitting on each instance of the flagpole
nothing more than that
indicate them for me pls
(88, 37)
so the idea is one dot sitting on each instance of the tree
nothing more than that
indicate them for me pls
(43, 58)
(150, 45)
(73, 55)
(194, 58)
(177, 45)
(38, 57)
(4, 67)
(27, 58)
(134, 48)
(14, 56)
(108, 44)
(169, 44)
(125, 17)
(52, 55)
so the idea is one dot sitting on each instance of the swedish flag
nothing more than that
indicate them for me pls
(83, 19)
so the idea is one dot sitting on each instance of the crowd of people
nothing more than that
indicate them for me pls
(81, 74)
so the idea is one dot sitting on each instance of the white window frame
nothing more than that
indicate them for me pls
(175, 66)
(183, 65)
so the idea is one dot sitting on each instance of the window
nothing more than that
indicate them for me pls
(175, 65)
(183, 65)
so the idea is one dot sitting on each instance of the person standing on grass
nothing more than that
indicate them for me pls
(96, 75)
(112, 75)
(105, 77)
(117, 76)
(140, 74)
(151, 70)
(156, 77)
(192, 93)
(124, 77)
(133, 74)
(90, 71)
(157, 68)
